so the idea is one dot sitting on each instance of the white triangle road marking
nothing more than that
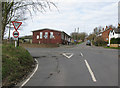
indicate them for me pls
(68, 56)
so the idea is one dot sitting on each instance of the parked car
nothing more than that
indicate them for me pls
(88, 42)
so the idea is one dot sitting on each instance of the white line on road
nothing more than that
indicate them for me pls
(67, 55)
(81, 54)
(91, 73)
(31, 75)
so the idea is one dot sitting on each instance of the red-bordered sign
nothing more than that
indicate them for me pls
(15, 34)
(19, 24)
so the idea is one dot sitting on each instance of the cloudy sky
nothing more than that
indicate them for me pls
(85, 14)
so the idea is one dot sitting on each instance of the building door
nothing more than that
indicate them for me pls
(46, 37)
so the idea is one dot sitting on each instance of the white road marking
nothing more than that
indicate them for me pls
(31, 75)
(67, 55)
(81, 54)
(91, 73)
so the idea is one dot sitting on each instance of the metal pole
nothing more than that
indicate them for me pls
(15, 43)
(18, 42)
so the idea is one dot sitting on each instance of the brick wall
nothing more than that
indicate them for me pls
(114, 45)
(55, 40)
(105, 35)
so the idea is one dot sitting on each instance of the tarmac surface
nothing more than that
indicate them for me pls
(78, 65)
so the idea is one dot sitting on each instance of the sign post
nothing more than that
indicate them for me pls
(16, 33)
(15, 43)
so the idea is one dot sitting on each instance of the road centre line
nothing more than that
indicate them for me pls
(81, 54)
(30, 75)
(90, 71)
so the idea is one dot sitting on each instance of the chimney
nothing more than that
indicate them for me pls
(106, 28)
(118, 25)
(103, 29)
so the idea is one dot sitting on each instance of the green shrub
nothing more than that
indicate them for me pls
(99, 41)
(115, 41)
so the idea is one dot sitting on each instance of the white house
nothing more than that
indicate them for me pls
(113, 34)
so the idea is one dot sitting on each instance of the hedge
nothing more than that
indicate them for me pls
(115, 41)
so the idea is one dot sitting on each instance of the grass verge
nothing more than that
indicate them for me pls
(80, 42)
(112, 47)
(40, 45)
(16, 64)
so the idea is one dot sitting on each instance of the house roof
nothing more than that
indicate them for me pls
(46, 29)
(107, 30)
(117, 30)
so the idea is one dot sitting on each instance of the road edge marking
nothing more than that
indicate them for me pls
(90, 71)
(30, 75)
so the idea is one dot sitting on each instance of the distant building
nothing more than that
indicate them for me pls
(114, 34)
(50, 36)
(26, 39)
(105, 34)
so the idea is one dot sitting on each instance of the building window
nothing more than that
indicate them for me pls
(51, 35)
(62, 35)
(46, 35)
(37, 36)
(106, 38)
(41, 35)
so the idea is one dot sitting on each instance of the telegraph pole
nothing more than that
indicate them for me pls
(74, 33)
(77, 33)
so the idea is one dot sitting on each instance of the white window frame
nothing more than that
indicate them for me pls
(41, 35)
(46, 35)
(51, 35)
(37, 36)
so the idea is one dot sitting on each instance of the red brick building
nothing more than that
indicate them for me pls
(105, 34)
(50, 36)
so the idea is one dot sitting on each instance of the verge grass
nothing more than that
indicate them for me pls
(112, 47)
(16, 64)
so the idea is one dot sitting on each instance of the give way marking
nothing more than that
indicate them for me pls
(68, 55)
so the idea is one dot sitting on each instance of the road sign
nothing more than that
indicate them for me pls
(16, 24)
(15, 34)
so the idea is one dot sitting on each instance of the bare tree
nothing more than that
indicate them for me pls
(16, 10)
(91, 37)
(96, 30)
(74, 35)
(82, 36)
(99, 29)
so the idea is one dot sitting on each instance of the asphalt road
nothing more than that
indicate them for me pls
(80, 65)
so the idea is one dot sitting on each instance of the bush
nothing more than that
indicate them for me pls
(99, 41)
(115, 41)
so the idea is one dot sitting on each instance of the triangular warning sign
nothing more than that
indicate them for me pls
(16, 24)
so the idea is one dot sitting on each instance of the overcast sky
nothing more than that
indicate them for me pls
(85, 14)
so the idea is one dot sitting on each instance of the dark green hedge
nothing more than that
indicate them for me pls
(115, 41)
